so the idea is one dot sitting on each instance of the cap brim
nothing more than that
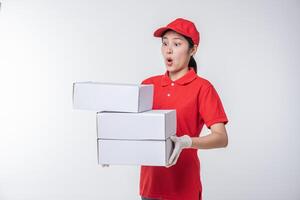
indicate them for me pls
(160, 31)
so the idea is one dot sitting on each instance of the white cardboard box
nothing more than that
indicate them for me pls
(112, 97)
(148, 125)
(134, 152)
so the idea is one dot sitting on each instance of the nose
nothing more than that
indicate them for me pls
(169, 50)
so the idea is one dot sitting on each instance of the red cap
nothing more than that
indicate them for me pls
(182, 26)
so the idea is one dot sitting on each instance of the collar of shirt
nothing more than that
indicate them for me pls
(185, 79)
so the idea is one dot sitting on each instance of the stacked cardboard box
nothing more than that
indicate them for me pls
(97, 96)
(128, 131)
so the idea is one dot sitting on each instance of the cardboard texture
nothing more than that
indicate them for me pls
(96, 96)
(148, 125)
(135, 138)
(134, 152)
(129, 132)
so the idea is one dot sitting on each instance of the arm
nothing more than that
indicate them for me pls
(216, 139)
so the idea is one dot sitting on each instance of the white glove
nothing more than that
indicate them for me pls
(180, 143)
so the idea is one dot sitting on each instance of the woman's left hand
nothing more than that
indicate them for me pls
(180, 143)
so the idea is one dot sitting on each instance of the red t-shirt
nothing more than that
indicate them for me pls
(196, 103)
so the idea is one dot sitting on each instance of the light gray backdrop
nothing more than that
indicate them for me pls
(249, 50)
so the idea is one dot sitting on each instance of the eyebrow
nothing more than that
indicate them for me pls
(173, 38)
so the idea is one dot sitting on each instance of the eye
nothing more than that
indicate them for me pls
(164, 43)
(177, 44)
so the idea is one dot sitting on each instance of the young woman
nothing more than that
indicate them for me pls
(196, 103)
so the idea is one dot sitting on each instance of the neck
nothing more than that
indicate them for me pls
(178, 74)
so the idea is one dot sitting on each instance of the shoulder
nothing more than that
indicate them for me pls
(205, 87)
(152, 79)
(202, 83)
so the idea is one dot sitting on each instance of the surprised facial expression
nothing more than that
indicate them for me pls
(175, 50)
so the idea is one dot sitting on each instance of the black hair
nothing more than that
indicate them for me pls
(192, 62)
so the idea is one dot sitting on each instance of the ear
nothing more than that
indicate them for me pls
(193, 50)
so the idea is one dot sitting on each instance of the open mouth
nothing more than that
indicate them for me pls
(169, 61)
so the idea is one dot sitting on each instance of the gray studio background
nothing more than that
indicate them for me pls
(249, 50)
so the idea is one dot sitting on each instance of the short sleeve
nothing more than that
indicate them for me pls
(210, 107)
(147, 81)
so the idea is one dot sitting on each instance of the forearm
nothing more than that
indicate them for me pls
(210, 141)
(216, 139)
